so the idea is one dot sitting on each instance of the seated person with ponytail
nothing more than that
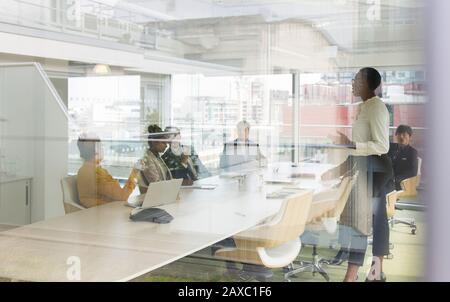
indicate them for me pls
(95, 185)
(154, 168)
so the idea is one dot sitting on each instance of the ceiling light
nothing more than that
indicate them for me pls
(101, 69)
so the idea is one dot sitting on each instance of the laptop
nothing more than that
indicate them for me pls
(158, 193)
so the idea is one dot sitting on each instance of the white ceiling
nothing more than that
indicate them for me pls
(221, 31)
(337, 19)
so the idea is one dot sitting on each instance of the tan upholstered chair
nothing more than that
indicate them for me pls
(409, 186)
(276, 243)
(391, 200)
(408, 192)
(70, 194)
(391, 206)
(325, 213)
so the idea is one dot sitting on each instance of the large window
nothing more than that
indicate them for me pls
(328, 106)
(118, 110)
(207, 109)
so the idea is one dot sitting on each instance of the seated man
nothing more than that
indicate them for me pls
(95, 185)
(404, 157)
(182, 161)
(241, 150)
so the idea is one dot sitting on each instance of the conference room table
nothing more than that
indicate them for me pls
(103, 244)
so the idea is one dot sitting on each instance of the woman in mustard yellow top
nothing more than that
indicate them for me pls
(95, 185)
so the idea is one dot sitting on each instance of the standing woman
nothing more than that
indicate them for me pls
(370, 144)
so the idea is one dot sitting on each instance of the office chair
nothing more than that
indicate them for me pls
(326, 210)
(70, 195)
(408, 192)
(273, 244)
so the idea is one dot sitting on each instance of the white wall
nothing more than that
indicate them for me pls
(35, 136)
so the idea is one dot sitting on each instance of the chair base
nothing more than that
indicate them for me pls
(338, 260)
(249, 272)
(314, 266)
(405, 221)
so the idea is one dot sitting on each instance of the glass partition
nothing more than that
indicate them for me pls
(220, 143)
(34, 126)
(328, 105)
(117, 108)
(208, 109)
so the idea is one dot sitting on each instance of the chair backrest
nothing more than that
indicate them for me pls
(343, 198)
(331, 203)
(391, 199)
(287, 225)
(70, 194)
(409, 185)
(294, 217)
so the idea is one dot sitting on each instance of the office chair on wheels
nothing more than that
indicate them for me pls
(409, 192)
(273, 244)
(326, 210)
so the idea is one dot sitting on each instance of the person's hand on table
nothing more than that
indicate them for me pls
(139, 165)
(184, 159)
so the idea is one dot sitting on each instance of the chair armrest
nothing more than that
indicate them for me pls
(70, 207)
(321, 209)
(263, 236)
(391, 201)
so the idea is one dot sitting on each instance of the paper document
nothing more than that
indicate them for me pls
(201, 187)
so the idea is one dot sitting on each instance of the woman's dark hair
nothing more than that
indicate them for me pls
(404, 129)
(87, 147)
(372, 77)
(154, 129)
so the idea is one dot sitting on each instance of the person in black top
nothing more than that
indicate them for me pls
(241, 151)
(404, 157)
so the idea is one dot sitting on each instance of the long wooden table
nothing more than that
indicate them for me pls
(102, 244)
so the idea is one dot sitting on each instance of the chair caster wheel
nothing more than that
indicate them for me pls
(413, 231)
